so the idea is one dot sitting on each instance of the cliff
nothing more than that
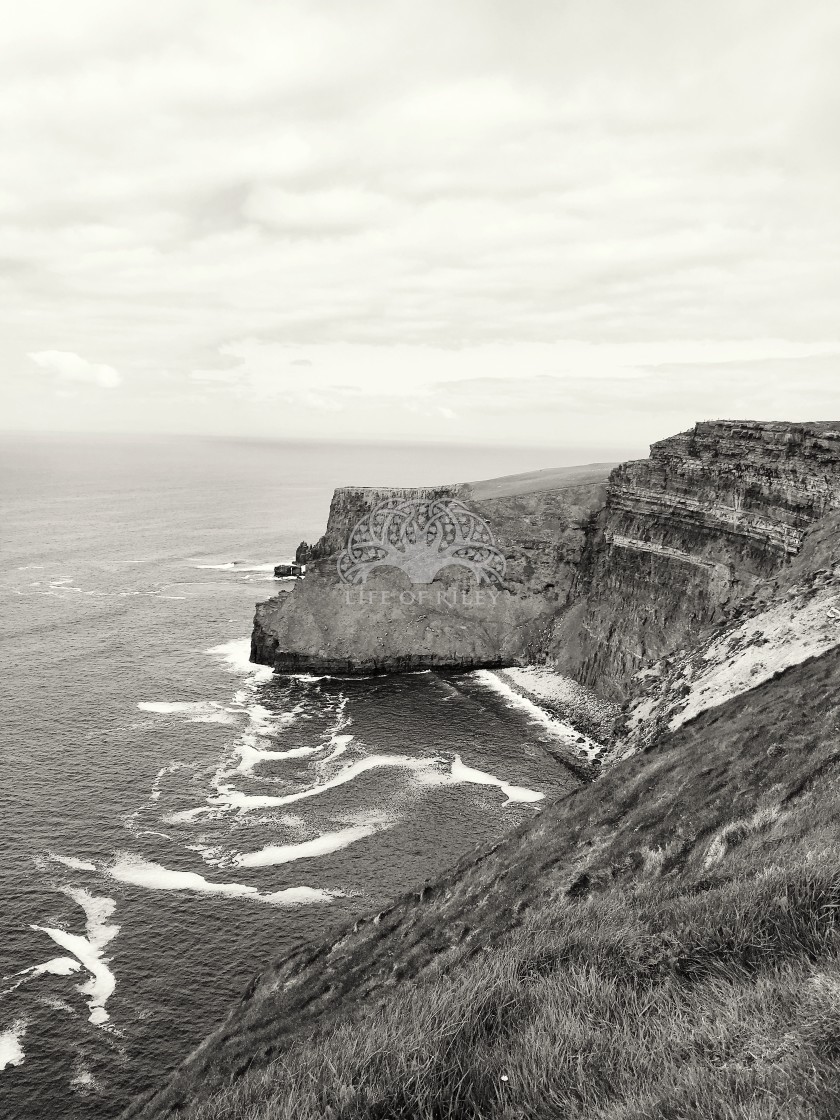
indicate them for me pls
(685, 535)
(600, 581)
(538, 522)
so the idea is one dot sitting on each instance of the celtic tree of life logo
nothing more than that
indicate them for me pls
(421, 536)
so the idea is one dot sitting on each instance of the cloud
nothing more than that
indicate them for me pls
(390, 185)
(68, 366)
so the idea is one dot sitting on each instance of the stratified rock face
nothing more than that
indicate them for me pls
(687, 533)
(388, 624)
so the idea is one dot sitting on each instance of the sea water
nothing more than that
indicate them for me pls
(175, 818)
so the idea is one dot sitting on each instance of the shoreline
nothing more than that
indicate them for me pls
(582, 724)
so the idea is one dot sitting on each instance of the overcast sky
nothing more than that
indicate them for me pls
(584, 223)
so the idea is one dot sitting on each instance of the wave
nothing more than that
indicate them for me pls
(165, 707)
(322, 845)
(461, 773)
(339, 743)
(426, 770)
(229, 798)
(58, 966)
(199, 711)
(143, 873)
(11, 1046)
(235, 566)
(310, 678)
(72, 862)
(237, 656)
(89, 950)
(250, 756)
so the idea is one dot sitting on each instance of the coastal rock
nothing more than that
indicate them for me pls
(388, 624)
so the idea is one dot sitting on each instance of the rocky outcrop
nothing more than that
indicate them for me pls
(688, 533)
(389, 624)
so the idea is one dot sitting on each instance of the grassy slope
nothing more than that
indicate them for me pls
(532, 482)
(664, 943)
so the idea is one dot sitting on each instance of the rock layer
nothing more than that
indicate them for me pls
(688, 533)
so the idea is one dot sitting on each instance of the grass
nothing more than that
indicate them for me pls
(652, 1002)
(661, 945)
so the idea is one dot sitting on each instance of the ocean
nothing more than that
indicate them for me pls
(174, 817)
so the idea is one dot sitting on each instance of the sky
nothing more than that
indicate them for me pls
(572, 223)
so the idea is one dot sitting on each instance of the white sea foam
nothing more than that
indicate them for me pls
(299, 896)
(102, 982)
(235, 799)
(198, 711)
(184, 816)
(171, 768)
(426, 770)
(339, 744)
(271, 579)
(142, 873)
(83, 1081)
(250, 756)
(234, 567)
(264, 722)
(557, 727)
(11, 1045)
(308, 849)
(213, 854)
(58, 966)
(461, 773)
(72, 861)
(261, 719)
(237, 656)
(165, 707)
(308, 678)
(89, 950)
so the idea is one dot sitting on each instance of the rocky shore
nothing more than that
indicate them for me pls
(582, 726)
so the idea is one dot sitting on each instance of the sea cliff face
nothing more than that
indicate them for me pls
(685, 535)
(388, 624)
